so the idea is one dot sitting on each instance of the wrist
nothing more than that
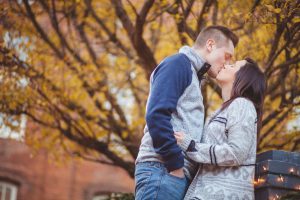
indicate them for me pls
(185, 143)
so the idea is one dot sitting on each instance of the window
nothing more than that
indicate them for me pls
(113, 196)
(8, 191)
(101, 197)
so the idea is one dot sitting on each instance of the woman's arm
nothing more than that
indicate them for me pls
(241, 137)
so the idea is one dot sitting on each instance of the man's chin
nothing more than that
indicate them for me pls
(212, 74)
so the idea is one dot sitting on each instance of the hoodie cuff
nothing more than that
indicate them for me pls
(175, 162)
(184, 145)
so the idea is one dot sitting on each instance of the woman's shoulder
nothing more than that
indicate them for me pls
(240, 106)
(242, 102)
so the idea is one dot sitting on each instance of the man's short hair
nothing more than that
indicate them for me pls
(220, 34)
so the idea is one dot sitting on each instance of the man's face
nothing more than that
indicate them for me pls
(218, 56)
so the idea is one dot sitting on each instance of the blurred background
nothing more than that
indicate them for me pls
(75, 79)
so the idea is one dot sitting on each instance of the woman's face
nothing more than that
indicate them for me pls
(227, 74)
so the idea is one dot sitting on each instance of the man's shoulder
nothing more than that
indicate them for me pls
(175, 63)
(178, 58)
(174, 66)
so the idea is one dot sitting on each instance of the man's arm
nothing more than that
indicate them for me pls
(170, 80)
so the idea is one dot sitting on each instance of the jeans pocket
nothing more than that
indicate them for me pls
(176, 177)
(142, 177)
(141, 181)
(172, 187)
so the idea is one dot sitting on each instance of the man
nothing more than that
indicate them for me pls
(175, 103)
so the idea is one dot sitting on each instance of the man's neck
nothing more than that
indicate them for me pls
(200, 52)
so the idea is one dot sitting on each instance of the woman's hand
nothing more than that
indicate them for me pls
(179, 137)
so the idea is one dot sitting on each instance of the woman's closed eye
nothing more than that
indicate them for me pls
(229, 65)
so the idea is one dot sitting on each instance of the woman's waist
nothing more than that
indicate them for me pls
(237, 173)
(230, 182)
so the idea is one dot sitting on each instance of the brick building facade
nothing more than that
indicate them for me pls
(35, 178)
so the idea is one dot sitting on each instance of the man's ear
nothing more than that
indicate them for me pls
(209, 45)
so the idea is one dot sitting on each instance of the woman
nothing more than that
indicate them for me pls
(228, 147)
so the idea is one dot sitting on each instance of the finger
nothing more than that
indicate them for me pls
(177, 135)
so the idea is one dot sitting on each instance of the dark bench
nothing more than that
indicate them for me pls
(277, 174)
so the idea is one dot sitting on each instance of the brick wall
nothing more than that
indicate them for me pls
(39, 179)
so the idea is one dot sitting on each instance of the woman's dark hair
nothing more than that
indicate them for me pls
(249, 83)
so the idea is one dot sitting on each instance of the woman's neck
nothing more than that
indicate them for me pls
(226, 92)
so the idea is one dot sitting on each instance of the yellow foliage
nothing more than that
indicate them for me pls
(94, 80)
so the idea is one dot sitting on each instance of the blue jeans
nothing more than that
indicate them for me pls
(154, 182)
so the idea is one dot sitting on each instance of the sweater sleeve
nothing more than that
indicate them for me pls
(241, 137)
(169, 81)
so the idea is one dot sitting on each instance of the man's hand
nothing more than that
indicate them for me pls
(179, 137)
(178, 172)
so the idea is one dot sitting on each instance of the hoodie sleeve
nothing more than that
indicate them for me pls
(169, 81)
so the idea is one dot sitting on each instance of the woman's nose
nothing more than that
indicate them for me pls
(226, 66)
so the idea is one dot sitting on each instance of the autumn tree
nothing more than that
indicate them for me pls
(79, 69)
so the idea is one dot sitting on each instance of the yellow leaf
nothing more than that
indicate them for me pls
(296, 20)
(270, 7)
(277, 10)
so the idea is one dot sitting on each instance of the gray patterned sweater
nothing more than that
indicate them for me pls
(227, 152)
